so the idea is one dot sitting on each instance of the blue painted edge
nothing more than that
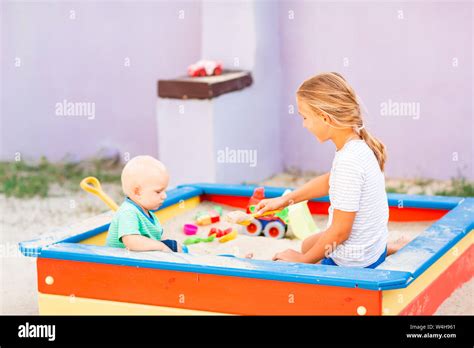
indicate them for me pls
(394, 199)
(33, 247)
(343, 277)
(434, 242)
(81, 236)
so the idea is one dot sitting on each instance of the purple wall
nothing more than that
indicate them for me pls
(402, 60)
(83, 60)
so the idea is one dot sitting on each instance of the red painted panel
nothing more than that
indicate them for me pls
(396, 214)
(205, 292)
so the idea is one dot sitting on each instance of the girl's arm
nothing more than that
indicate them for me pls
(336, 234)
(316, 187)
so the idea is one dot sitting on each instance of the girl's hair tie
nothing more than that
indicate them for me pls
(361, 127)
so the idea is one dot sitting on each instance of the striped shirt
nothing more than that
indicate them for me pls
(356, 184)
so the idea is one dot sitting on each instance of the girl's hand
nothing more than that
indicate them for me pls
(271, 204)
(289, 255)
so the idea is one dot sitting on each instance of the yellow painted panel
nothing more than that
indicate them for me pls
(163, 215)
(176, 209)
(393, 301)
(67, 305)
(98, 239)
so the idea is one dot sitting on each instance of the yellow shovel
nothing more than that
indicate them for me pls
(92, 185)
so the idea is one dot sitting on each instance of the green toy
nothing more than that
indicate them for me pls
(195, 240)
(282, 214)
(215, 208)
(218, 209)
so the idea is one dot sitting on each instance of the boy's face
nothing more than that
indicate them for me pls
(150, 194)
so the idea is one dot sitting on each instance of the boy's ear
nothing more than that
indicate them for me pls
(136, 190)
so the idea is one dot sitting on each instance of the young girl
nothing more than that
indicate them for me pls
(356, 234)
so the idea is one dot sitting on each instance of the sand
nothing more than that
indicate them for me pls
(261, 247)
(24, 219)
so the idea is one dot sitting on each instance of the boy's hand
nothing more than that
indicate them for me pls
(271, 204)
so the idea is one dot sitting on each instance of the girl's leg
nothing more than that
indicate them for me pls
(394, 246)
(309, 242)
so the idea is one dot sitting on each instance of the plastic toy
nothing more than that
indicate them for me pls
(218, 233)
(207, 220)
(222, 233)
(92, 185)
(228, 236)
(218, 209)
(273, 225)
(195, 240)
(210, 217)
(214, 231)
(301, 221)
(205, 68)
(244, 219)
(190, 229)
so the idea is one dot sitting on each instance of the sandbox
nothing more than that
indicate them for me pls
(77, 274)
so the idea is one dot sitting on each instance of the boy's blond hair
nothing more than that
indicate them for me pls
(138, 169)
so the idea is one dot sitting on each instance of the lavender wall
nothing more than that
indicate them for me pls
(85, 60)
(389, 58)
(425, 57)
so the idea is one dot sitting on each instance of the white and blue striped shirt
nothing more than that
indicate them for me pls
(356, 184)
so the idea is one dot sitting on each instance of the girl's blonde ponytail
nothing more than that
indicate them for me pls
(331, 94)
(376, 146)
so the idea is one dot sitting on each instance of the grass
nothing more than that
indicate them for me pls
(459, 187)
(400, 189)
(23, 180)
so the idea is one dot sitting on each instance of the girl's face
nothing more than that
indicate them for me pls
(314, 122)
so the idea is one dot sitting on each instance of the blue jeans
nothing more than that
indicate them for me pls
(330, 262)
(173, 245)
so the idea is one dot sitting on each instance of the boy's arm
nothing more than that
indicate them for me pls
(137, 242)
(336, 234)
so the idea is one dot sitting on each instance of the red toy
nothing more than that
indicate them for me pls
(219, 233)
(205, 68)
(271, 225)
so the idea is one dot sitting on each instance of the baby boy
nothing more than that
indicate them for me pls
(134, 226)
